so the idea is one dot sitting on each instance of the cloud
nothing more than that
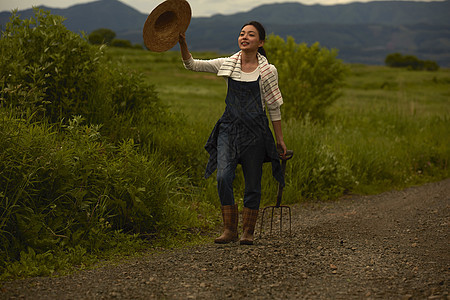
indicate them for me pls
(199, 7)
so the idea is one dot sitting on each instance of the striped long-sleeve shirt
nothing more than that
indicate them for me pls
(230, 67)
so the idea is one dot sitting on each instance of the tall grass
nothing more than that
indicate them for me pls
(388, 130)
(80, 169)
(75, 190)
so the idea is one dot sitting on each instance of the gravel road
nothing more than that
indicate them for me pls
(391, 246)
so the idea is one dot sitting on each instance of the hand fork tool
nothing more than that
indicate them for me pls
(288, 156)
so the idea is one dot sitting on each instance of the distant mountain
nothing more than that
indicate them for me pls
(362, 32)
(87, 17)
(377, 12)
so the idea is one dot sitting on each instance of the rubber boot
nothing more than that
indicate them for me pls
(250, 216)
(230, 225)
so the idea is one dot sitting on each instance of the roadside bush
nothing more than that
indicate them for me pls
(46, 70)
(66, 181)
(316, 171)
(310, 78)
(49, 72)
(69, 188)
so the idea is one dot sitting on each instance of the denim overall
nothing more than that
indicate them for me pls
(242, 136)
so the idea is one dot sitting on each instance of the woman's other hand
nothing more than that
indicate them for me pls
(281, 146)
(282, 149)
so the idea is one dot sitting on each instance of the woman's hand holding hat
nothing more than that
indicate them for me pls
(165, 23)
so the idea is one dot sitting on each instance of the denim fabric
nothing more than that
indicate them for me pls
(225, 167)
(251, 160)
(242, 136)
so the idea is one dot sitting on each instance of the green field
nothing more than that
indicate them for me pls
(390, 129)
(414, 92)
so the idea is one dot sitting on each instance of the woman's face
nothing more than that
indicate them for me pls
(249, 39)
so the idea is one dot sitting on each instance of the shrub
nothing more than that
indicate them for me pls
(310, 78)
(95, 38)
(430, 65)
(46, 70)
(121, 43)
(397, 60)
(77, 181)
(101, 36)
(75, 188)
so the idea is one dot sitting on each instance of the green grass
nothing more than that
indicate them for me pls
(187, 92)
(419, 93)
(388, 130)
(367, 87)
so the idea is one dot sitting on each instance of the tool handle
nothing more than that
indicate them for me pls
(288, 156)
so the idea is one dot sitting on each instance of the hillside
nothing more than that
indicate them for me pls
(363, 32)
(376, 12)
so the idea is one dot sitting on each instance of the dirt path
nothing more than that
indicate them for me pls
(392, 246)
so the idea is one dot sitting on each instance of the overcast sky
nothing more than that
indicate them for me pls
(199, 7)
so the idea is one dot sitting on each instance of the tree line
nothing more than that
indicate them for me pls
(398, 60)
(108, 37)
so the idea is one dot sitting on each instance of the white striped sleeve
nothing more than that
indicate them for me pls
(199, 65)
(274, 113)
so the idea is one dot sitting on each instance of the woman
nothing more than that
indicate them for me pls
(242, 135)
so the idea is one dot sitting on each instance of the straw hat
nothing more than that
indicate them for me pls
(165, 23)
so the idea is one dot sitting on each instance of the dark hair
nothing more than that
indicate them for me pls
(261, 33)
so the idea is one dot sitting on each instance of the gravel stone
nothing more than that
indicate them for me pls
(391, 246)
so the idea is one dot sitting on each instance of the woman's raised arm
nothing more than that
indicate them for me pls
(185, 54)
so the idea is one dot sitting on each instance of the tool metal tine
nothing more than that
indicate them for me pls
(288, 155)
(272, 215)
